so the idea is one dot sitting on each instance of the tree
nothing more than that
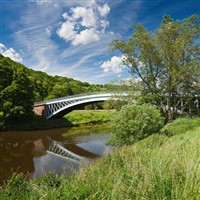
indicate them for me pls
(6, 74)
(17, 98)
(167, 62)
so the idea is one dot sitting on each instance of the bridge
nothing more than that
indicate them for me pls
(58, 149)
(59, 107)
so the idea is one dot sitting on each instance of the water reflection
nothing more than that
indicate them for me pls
(29, 152)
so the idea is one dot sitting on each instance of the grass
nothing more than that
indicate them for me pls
(75, 118)
(157, 167)
(78, 117)
(180, 126)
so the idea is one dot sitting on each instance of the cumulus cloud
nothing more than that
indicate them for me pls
(11, 53)
(66, 31)
(86, 36)
(113, 65)
(84, 24)
(104, 10)
(86, 14)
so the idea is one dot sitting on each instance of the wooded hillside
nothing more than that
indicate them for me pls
(44, 86)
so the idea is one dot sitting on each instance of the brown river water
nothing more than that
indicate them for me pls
(57, 150)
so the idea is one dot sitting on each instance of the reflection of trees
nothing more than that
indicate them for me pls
(17, 149)
(39, 147)
(16, 155)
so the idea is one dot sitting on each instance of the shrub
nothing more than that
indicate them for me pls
(135, 122)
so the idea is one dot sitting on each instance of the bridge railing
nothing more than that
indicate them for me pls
(73, 96)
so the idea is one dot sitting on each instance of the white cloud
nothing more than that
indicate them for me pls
(66, 31)
(87, 15)
(2, 46)
(84, 24)
(113, 65)
(104, 10)
(11, 53)
(66, 16)
(104, 24)
(86, 36)
(48, 30)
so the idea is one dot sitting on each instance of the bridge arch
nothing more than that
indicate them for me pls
(73, 106)
(57, 108)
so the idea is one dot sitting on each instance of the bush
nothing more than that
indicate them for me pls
(135, 122)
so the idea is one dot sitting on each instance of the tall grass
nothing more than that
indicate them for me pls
(180, 126)
(156, 167)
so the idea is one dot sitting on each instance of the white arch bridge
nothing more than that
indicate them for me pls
(59, 107)
(56, 108)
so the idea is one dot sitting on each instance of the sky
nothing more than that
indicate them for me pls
(71, 38)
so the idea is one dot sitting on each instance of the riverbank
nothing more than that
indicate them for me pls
(74, 118)
(157, 167)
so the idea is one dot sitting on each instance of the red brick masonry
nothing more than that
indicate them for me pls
(39, 109)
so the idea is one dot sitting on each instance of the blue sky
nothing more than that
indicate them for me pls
(71, 38)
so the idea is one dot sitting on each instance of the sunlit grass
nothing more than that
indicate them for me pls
(180, 126)
(78, 117)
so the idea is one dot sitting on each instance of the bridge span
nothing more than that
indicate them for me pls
(59, 107)
(56, 108)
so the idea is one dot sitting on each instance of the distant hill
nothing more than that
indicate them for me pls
(46, 86)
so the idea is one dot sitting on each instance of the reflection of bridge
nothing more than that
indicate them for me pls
(59, 107)
(59, 149)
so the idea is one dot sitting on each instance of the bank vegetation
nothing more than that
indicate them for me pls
(157, 167)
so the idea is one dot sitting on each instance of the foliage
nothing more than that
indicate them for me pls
(167, 63)
(134, 122)
(94, 106)
(17, 98)
(180, 126)
(124, 91)
(156, 167)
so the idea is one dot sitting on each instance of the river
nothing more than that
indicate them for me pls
(57, 150)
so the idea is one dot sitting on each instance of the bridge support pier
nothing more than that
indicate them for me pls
(39, 109)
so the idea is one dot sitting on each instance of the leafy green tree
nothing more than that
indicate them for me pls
(167, 62)
(17, 98)
(135, 122)
(6, 74)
